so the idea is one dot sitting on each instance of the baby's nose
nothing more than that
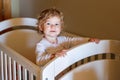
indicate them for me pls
(52, 26)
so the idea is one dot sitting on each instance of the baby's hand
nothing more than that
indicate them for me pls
(58, 54)
(94, 40)
(61, 53)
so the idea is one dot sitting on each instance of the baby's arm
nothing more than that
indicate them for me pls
(59, 54)
(41, 56)
(42, 59)
(83, 39)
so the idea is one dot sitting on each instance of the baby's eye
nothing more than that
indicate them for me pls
(56, 24)
(47, 23)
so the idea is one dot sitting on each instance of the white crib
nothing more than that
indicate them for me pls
(86, 62)
(18, 37)
(97, 61)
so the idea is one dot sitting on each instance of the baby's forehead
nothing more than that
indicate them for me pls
(54, 18)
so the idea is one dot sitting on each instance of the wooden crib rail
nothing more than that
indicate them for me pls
(13, 66)
(24, 29)
(18, 28)
(81, 54)
(18, 22)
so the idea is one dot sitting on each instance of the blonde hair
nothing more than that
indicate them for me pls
(46, 14)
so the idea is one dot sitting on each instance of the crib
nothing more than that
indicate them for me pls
(87, 61)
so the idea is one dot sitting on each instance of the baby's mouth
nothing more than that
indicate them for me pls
(52, 31)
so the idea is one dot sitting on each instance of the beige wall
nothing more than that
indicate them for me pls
(32, 8)
(94, 18)
(15, 8)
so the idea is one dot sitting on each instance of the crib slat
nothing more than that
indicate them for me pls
(14, 70)
(25, 74)
(10, 60)
(19, 72)
(6, 71)
(2, 69)
(31, 76)
(9, 68)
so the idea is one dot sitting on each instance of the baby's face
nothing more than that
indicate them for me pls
(52, 26)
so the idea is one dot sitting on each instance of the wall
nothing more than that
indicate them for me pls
(95, 18)
(32, 8)
(85, 17)
(15, 8)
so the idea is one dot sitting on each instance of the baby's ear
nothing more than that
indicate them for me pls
(41, 28)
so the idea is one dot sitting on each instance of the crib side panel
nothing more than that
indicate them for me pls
(13, 66)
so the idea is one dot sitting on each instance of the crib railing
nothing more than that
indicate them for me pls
(84, 53)
(13, 66)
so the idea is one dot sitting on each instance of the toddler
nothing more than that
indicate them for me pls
(50, 24)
